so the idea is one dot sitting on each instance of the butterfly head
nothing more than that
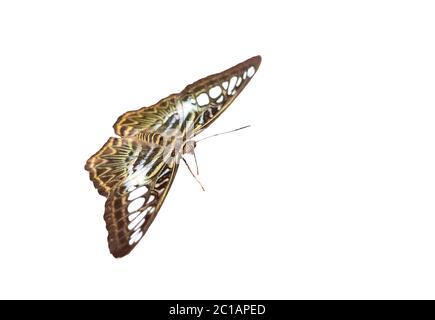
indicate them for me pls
(189, 147)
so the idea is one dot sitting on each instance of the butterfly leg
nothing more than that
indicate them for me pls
(196, 163)
(188, 167)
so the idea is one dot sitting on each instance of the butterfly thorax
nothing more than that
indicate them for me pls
(189, 147)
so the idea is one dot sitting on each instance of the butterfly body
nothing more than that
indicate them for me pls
(135, 170)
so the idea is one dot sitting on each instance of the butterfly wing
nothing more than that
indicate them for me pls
(132, 206)
(135, 176)
(118, 159)
(214, 94)
(152, 118)
(202, 102)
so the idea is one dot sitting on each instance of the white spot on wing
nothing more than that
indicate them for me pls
(138, 221)
(135, 237)
(139, 225)
(203, 99)
(151, 198)
(131, 188)
(251, 72)
(133, 216)
(150, 210)
(185, 108)
(239, 82)
(135, 204)
(215, 92)
(137, 193)
(232, 85)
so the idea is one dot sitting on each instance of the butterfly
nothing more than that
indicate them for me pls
(135, 170)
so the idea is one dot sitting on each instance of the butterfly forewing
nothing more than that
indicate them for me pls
(213, 94)
(147, 118)
(119, 159)
(204, 100)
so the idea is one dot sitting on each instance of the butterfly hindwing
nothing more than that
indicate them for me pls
(119, 158)
(135, 176)
(132, 206)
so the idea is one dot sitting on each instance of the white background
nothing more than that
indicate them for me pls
(330, 194)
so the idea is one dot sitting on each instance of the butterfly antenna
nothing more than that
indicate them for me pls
(196, 162)
(221, 133)
(196, 178)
